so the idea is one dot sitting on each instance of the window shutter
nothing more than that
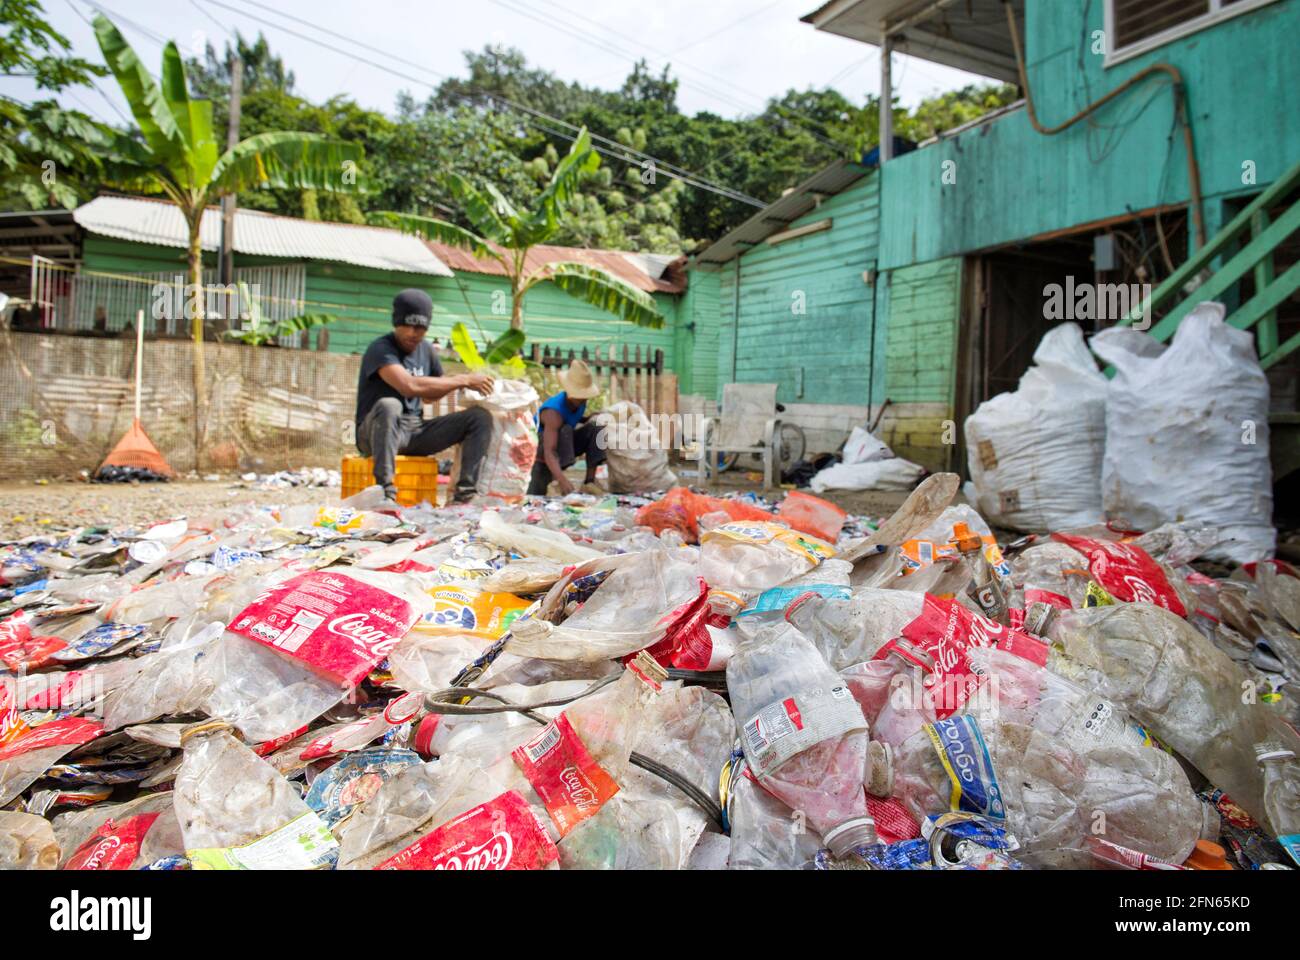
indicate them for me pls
(1138, 19)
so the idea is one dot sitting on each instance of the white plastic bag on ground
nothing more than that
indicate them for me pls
(1187, 433)
(635, 453)
(893, 474)
(862, 447)
(508, 464)
(1035, 454)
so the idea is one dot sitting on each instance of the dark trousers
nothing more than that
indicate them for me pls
(569, 446)
(387, 431)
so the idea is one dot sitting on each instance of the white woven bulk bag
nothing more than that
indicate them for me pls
(1187, 433)
(1035, 454)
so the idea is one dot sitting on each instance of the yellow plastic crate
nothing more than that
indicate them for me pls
(416, 478)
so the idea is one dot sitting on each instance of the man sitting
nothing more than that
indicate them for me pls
(400, 371)
(563, 434)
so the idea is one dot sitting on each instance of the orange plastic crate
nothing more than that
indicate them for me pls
(416, 478)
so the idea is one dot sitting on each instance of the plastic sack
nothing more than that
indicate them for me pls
(508, 463)
(864, 447)
(634, 452)
(893, 474)
(812, 515)
(1035, 454)
(1187, 432)
(680, 509)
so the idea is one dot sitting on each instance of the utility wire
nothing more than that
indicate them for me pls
(613, 150)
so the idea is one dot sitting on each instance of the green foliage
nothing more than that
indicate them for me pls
(49, 156)
(501, 356)
(256, 330)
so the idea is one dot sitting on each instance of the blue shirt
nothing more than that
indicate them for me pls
(560, 404)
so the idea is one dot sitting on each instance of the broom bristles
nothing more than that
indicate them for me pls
(135, 449)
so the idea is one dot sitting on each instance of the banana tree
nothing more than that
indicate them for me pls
(506, 234)
(257, 329)
(177, 154)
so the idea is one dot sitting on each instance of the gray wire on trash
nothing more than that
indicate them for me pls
(668, 774)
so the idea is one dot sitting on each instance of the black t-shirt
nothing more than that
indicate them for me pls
(371, 387)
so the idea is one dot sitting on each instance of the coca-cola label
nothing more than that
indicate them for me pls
(502, 834)
(12, 726)
(340, 626)
(358, 733)
(790, 726)
(1126, 571)
(571, 784)
(945, 632)
(72, 732)
(114, 846)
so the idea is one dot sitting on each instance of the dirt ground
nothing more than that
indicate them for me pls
(36, 508)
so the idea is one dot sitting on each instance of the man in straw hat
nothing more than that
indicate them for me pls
(399, 372)
(564, 436)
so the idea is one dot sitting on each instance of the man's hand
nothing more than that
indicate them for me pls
(480, 383)
(565, 485)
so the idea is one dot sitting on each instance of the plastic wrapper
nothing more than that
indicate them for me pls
(741, 560)
(263, 825)
(27, 842)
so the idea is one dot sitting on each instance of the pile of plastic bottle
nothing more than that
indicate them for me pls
(685, 682)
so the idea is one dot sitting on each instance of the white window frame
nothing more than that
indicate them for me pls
(1218, 13)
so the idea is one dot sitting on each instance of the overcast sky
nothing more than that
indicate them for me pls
(730, 55)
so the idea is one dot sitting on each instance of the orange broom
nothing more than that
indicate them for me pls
(135, 449)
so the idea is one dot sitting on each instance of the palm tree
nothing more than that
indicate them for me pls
(506, 234)
(177, 154)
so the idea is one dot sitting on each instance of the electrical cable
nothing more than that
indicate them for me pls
(619, 151)
(665, 773)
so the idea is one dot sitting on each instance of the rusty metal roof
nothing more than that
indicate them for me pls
(653, 273)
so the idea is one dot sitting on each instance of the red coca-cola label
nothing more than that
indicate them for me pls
(1126, 571)
(686, 643)
(20, 649)
(72, 732)
(940, 640)
(46, 691)
(1035, 595)
(359, 733)
(502, 834)
(572, 785)
(334, 623)
(12, 726)
(114, 846)
(268, 747)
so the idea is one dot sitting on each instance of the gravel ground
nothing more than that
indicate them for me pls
(38, 508)
(30, 508)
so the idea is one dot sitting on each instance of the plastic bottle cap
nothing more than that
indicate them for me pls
(844, 838)
(1207, 855)
(966, 540)
(797, 602)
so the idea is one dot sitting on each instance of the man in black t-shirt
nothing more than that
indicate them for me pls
(400, 371)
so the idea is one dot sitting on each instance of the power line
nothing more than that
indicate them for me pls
(619, 151)
(731, 99)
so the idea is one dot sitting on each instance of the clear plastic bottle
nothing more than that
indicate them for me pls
(1282, 794)
(740, 560)
(803, 734)
(237, 813)
(984, 589)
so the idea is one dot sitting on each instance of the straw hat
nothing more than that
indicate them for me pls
(578, 382)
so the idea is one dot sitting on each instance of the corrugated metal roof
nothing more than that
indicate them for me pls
(778, 215)
(645, 271)
(262, 234)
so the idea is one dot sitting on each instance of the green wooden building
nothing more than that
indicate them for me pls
(99, 264)
(922, 275)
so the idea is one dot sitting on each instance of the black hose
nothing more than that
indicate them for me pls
(665, 773)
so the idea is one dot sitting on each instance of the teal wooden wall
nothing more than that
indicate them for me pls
(363, 298)
(1013, 183)
(697, 338)
(821, 355)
